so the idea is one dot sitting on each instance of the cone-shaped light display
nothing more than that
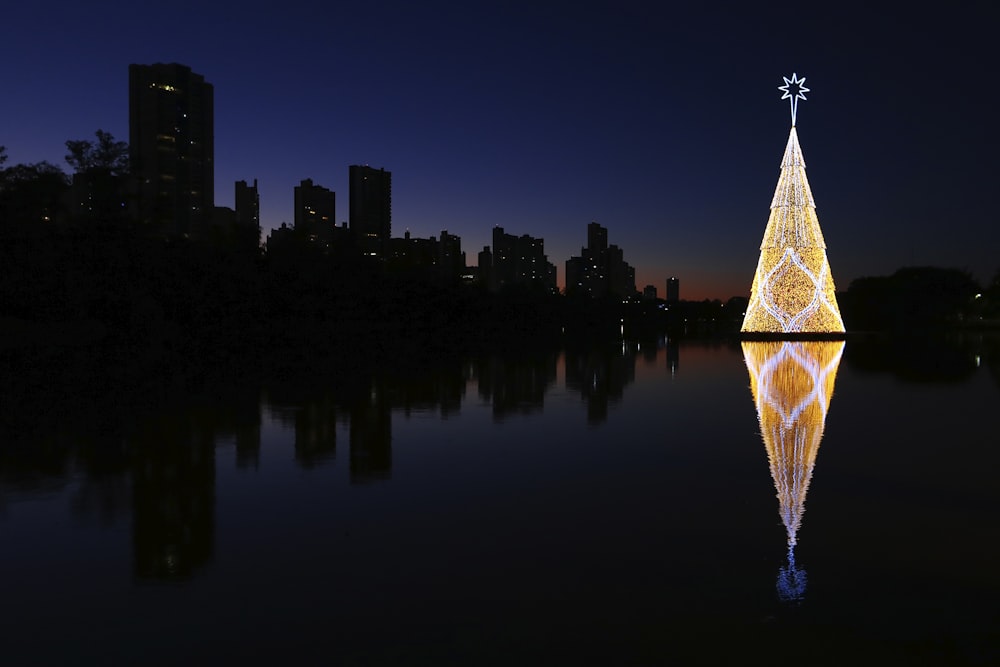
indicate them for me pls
(792, 383)
(793, 290)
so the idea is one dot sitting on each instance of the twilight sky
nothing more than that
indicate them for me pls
(661, 121)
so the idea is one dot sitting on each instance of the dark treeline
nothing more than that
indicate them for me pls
(118, 285)
(920, 298)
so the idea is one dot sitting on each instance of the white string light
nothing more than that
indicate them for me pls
(793, 290)
(797, 93)
(792, 383)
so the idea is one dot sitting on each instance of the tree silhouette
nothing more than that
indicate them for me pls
(99, 179)
(31, 193)
(911, 298)
(105, 155)
(992, 297)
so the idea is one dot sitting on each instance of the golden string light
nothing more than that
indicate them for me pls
(793, 289)
(792, 382)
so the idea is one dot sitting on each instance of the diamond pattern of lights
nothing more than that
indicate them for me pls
(793, 289)
(792, 382)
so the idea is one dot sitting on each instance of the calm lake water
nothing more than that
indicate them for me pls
(659, 503)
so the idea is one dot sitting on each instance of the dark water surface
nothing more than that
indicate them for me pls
(629, 504)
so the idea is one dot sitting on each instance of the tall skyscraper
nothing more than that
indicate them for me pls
(171, 146)
(371, 210)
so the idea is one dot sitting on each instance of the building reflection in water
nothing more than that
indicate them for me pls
(160, 469)
(173, 496)
(600, 375)
(516, 384)
(792, 382)
(371, 437)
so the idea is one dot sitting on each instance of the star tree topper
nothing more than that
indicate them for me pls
(794, 90)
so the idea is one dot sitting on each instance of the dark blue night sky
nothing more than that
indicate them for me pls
(660, 121)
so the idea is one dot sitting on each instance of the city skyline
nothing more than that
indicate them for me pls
(665, 127)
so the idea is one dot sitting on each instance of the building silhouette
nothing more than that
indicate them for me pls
(247, 202)
(236, 229)
(370, 210)
(410, 252)
(673, 290)
(440, 259)
(484, 267)
(601, 269)
(315, 210)
(247, 217)
(171, 147)
(451, 259)
(516, 260)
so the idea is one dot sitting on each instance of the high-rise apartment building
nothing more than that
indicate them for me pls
(247, 217)
(171, 147)
(247, 202)
(673, 289)
(441, 259)
(315, 210)
(601, 269)
(518, 260)
(370, 210)
(597, 238)
(451, 259)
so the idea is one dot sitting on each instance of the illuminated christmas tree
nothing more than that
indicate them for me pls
(792, 383)
(793, 290)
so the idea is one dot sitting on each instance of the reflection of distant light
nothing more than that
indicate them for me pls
(978, 361)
